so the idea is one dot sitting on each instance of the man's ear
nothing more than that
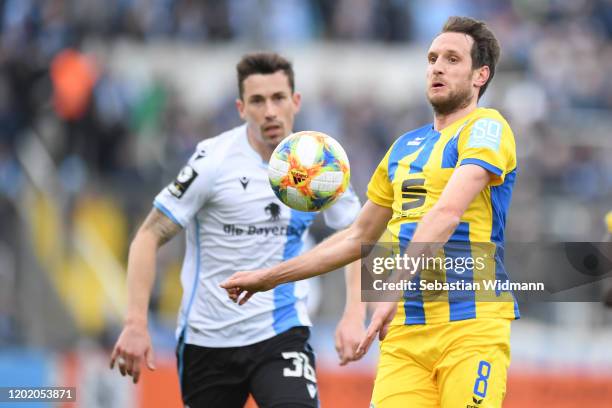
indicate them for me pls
(240, 107)
(297, 101)
(481, 76)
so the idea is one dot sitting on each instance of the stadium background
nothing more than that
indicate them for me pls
(101, 102)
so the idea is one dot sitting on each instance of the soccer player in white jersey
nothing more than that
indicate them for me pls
(233, 221)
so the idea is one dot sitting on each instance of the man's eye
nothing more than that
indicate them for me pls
(432, 60)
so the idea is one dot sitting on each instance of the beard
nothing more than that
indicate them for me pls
(451, 103)
(272, 139)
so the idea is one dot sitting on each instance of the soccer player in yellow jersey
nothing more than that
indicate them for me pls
(447, 182)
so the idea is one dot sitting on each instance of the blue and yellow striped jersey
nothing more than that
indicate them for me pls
(411, 178)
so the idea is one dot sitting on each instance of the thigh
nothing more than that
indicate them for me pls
(474, 370)
(285, 373)
(401, 380)
(212, 377)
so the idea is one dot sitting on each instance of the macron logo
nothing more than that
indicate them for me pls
(312, 390)
(415, 142)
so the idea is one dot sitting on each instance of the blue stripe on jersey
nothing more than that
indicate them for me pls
(500, 269)
(413, 300)
(417, 164)
(450, 155)
(180, 357)
(285, 314)
(500, 201)
(461, 303)
(401, 148)
(517, 313)
(196, 279)
(166, 212)
(501, 275)
(487, 166)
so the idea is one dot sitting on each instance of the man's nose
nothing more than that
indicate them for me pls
(270, 109)
(438, 67)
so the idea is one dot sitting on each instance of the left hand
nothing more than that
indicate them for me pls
(247, 283)
(349, 332)
(382, 317)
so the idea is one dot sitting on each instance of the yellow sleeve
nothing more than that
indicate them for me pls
(488, 142)
(609, 221)
(380, 189)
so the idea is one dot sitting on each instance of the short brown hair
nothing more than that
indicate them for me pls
(485, 49)
(263, 63)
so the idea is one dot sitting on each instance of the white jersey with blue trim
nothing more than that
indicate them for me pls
(234, 222)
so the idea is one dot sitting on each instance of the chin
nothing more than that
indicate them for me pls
(275, 140)
(437, 99)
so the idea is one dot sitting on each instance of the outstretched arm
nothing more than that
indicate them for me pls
(134, 344)
(340, 249)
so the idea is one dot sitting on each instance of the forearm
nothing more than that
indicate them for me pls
(353, 304)
(432, 233)
(140, 279)
(338, 250)
(156, 230)
(437, 226)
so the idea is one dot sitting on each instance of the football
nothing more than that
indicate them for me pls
(309, 171)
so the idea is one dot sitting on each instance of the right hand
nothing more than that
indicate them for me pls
(241, 286)
(132, 349)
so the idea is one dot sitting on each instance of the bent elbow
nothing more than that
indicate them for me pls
(450, 215)
(453, 221)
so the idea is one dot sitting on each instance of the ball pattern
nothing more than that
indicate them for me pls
(309, 171)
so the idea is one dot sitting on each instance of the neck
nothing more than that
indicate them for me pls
(262, 149)
(443, 120)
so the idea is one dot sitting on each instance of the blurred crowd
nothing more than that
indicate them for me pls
(109, 136)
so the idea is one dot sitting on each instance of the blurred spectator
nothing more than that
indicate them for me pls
(73, 75)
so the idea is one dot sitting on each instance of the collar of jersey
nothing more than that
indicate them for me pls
(458, 121)
(244, 140)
